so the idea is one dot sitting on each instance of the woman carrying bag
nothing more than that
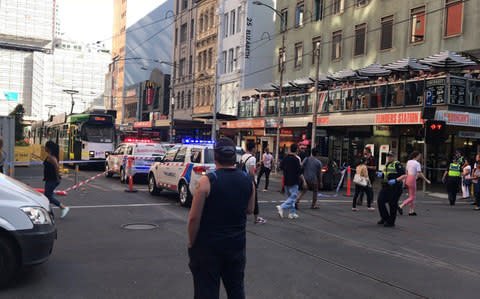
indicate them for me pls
(362, 185)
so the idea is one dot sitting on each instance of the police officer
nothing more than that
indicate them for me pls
(391, 190)
(452, 177)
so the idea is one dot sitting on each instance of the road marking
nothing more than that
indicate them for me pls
(120, 206)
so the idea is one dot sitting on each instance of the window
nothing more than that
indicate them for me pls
(184, 4)
(233, 19)
(180, 156)
(284, 21)
(224, 62)
(176, 36)
(417, 24)
(189, 99)
(212, 18)
(183, 100)
(183, 33)
(359, 3)
(386, 33)
(190, 65)
(181, 68)
(338, 6)
(453, 17)
(178, 100)
(210, 58)
(199, 61)
(299, 15)
(201, 24)
(204, 60)
(360, 32)
(237, 56)
(192, 29)
(230, 60)
(281, 59)
(239, 19)
(337, 45)
(316, 46)
(225, 25)
(170, 155)
(196, 155)
(318, 4)
(298, 55)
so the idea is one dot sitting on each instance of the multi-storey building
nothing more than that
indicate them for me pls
(384, 114)
(26, 27)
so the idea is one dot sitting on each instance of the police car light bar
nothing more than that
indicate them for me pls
(197, 141)
(135, 140)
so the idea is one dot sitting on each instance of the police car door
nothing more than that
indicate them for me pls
(115, 160)
(179, 165)
(164, 168)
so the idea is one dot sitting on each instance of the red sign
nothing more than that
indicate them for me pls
(99, 118)
(398, 118)
(286, 131)
(142, 124)
(149, 94)
(323, 120)
(457, 117)
(247, 124)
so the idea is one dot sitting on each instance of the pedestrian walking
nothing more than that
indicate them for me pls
(216, 226)
(391, 190)
(362, 185)
(452, 178)
(476, 182)
(414, 171)
(265, 168)
(291, 171)
(51, 175)
(249, 163)
(372, 170)
(466, 181)
(3, 155)
(312, 172)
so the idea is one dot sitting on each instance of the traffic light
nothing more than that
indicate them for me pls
(435, 132)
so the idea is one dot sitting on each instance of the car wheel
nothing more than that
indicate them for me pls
(108, 173)
(184, 195)
(152, 185)
(123, 179)
(8, 261)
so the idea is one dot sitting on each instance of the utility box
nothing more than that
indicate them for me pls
(7, 132)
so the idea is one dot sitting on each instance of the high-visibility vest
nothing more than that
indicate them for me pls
(454, 170)
(391, 169)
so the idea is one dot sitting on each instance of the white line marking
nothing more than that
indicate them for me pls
(119, 206)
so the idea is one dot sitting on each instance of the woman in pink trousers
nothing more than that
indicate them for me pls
(414, 171)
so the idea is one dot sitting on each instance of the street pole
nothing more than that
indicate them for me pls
(315, 103)
(172, 114)
(279, 103)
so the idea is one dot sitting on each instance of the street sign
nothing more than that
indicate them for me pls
(429, 98)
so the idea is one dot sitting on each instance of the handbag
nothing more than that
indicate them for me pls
(360, 180)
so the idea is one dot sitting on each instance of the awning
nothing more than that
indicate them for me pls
(447, 59)
(374, 70)
(407, 64)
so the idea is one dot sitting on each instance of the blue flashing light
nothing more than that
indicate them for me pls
(197, 141)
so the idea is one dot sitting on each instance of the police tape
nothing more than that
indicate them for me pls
(84, 182)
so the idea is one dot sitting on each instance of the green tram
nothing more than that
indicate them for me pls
(88, 136)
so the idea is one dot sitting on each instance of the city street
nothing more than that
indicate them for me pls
(327, 253)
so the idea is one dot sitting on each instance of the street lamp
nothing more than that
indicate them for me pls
(49, 107)
(71, 92)
(282, 69)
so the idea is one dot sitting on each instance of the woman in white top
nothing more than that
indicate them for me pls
(466, 181)
(414, 170)
(266, 168)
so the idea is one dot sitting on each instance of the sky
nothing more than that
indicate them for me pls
(89, 21)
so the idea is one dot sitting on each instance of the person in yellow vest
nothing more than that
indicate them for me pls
(393, 175)
(452, 178)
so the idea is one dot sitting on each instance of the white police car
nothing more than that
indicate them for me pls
(182, 167)
(142, 153)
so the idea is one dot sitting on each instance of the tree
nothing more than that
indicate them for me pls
(18, 114)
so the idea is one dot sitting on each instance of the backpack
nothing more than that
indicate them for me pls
(242, 165)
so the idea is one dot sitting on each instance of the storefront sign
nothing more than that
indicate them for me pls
(258, 132)
(298, 122)
(272, 123)
(142, 124)
(250, 123)
(323, 120)
(149, 92)
(458, 118)
(286, 132)
(401, 118)
(248, 37)
(469, 134)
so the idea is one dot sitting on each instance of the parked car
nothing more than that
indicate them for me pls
(27, 229)
(331, 173)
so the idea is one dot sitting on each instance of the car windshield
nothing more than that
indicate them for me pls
(98, 133)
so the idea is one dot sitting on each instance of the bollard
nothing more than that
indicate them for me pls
(130, 177)
(349, 181)
(76, 174)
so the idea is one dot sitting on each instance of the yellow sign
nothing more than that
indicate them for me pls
(23, 154)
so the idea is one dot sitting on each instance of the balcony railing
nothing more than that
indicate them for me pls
(436, 91)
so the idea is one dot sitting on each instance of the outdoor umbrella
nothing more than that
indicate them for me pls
(374, 70)
(267, 87)
(447, 59)
(407, 64)
(301, 82)
(322, 78)
(346, 75)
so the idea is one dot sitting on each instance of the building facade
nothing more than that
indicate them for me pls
(25, 28)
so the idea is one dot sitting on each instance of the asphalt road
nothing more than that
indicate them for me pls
(327, 253)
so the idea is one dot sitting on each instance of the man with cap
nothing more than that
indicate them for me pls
(216, 226)
(393, 175)
(452, 177)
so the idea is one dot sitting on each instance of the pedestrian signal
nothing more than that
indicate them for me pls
(435, 132)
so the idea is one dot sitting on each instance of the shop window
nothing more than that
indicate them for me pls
(360, 33)
(386, 33)
(417, 24)
(337, 45)
(453, 17)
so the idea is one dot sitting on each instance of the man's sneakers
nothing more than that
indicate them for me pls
(280, 211)
(64, 212)
(260, 220)
(293, 216)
